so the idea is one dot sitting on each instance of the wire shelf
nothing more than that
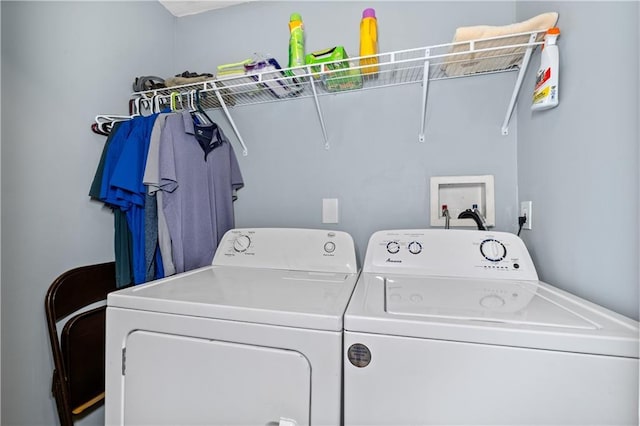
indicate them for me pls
(420, 65)
(445, 61)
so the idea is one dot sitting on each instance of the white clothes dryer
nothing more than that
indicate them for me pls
(454, 327)
(253, 339)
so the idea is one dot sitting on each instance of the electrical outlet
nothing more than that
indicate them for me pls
(526, 210)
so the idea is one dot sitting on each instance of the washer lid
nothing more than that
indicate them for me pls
(509, 302)
(315, 300)
(526, 314)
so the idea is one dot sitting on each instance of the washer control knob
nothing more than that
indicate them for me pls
(241, 243)
(415, 247)
(492, 301)
(493, 250)
(393, 247)
(329, 246)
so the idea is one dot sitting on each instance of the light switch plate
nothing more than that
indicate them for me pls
(329, 210)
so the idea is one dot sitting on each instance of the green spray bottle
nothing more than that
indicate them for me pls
(296, 42)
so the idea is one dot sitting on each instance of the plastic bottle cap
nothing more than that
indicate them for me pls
(295, 17)
(369, 13)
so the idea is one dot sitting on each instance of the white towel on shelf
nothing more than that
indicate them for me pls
(494, 60)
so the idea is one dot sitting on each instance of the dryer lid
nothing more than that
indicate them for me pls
(314, 300)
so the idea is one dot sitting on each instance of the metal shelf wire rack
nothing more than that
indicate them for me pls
(419, 65)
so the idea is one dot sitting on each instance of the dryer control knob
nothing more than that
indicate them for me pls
(241, 243)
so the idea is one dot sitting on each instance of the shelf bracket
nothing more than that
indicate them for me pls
(319, 111)
(425, 91)
(516, 89)
(245, 152)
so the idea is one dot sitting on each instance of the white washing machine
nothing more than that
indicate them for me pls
(453, 327)
(254, 339)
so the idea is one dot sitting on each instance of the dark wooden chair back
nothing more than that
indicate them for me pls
(78, 354)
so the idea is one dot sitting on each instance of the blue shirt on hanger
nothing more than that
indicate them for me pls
(127, 190)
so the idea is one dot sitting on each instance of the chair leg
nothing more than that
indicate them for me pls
(64, 413)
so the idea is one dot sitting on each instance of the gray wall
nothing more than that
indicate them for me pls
(0, 231)
(578, 162)
(62, 64)
(375, 167)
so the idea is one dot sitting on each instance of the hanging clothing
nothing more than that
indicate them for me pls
(123, 240)
(151, 179)
(121, 188)
(198, 190)
(129, 191)
(171, 185)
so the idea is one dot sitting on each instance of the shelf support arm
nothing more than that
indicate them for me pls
(318, 110)
(425, 91)
(245, 151)
(516, 89)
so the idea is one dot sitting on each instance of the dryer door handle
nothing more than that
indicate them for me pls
(287, 422)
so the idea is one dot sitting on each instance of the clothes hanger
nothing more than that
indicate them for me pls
(95, 128)
(135, 107)
(176, 98)
(106, 127)
(155, 104)
(110, 118)
(103, 123)
(192, 101)
(202, 115)
(160, 103)
(193, 109)
(207, 132)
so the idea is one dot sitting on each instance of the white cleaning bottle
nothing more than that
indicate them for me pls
(545, 94)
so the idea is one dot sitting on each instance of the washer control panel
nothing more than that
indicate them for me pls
(287, 248)
(456, 253)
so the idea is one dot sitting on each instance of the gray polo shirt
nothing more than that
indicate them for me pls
(151, 179)
(197, 193)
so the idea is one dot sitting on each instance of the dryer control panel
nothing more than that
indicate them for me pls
(451, 253)
(287, 248)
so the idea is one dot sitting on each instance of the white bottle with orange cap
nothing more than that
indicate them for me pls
(545, 94)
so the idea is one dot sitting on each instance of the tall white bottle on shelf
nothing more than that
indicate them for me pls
(545, 94)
